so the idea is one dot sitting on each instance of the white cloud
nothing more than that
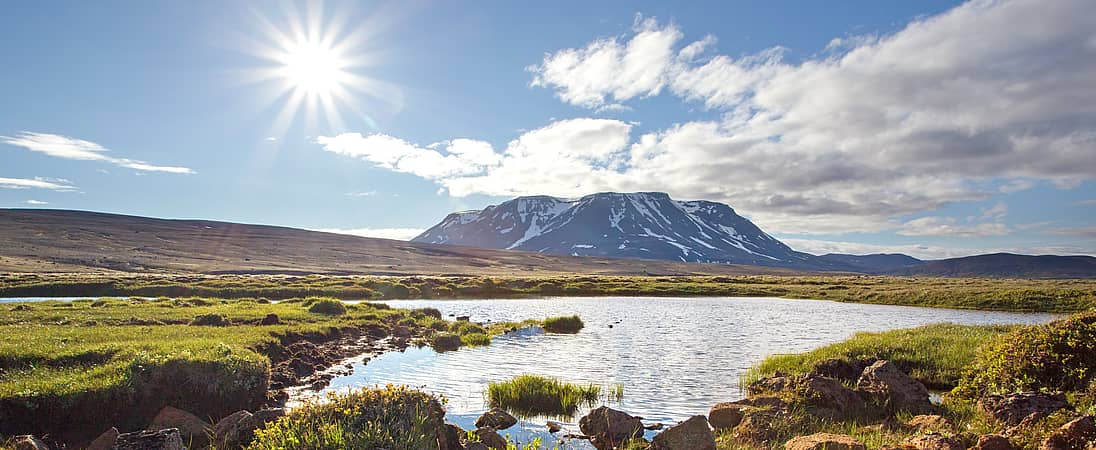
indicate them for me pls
(399, 234)
(1082, 232)
(36, 202)
(361, 194)
(926, 252)
(78, 149)
(995, 212)
(873, 129)
(55, 184)
(460, 156)
(947, 226)
(1086, 203)
(819, 247)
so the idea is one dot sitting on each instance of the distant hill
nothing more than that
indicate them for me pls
(1006, 265)
(647, 225)
(75, 241)
(874, 263)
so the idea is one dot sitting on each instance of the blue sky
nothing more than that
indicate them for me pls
(932, 128)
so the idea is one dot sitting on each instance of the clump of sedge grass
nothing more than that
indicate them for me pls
(564, 324)
(475, 339)
(533, 395)
(329, 307)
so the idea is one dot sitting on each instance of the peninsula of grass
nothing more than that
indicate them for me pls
(534, 395)
(70, 369)
(964, 293)
(564, 324)
(936, 355)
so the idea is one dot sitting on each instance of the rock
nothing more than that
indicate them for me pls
(168, 439)
(609, 428)
(1013, 408)
(839, 369)
(450, 436)
(210, 320)
(653, 426)
(884, 384)
(463, 318)
(446, 342)
(238, 429)
(692, 434)
(496, 418)
(475, 446)
(826, 397)
(105, 441)
(270, 319)
(993, 442)
(930, 423)
(726, 415)
(756, 425)
(490, 437)
(1079, 434)
(554, 427)
(824, 441)
(193, 430)
(933, 441)
(28, 442)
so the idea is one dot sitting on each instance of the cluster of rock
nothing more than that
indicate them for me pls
(175, 429)
(881, 392)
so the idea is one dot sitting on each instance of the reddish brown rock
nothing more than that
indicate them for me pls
(824, 441)
(692, 434)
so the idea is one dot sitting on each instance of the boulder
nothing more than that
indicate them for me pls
(28, 442)
(450, 436)
(496, 418)
(930, 422)
(238, 429)
(757, 425)
(270, 319)
(446, 342)
(839, 369)
(105, 441)
(933, 441)
(884, 384)
(1079, 433)
(192, 430)
(726, 415)
(476, 446)
(824, 441)
(609, 428)
(1014, 408)
(993, 442)
(490, 437)
(692, 434)
(818, 395)
(168, 439)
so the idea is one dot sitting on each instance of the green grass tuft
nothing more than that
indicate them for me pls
(564, 324)
(533, 395)
(328, 306)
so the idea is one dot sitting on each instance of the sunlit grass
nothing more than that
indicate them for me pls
(565, 324)
(533, 395)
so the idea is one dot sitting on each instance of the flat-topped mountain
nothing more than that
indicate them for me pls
(648, 225)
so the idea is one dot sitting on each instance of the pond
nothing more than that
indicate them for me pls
(675, 357)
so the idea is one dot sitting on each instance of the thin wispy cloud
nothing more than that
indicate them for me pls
(361, 194)
(36, 202)
(947, 226)
(53, 184)
(1081, 232)
(65, 147)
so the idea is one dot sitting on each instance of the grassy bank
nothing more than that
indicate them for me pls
(973, 360)
(935, 355)
(84, 366)
(987, 294)
(534, 395)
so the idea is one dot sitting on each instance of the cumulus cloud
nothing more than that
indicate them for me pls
(948, 226)
(871, 130)
(78, 149)
(399, 234)
(437, 161)
(54, 184)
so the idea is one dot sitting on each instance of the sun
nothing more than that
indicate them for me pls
(314, 68)
(316, 64)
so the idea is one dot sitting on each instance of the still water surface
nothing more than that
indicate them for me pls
(676, 357)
